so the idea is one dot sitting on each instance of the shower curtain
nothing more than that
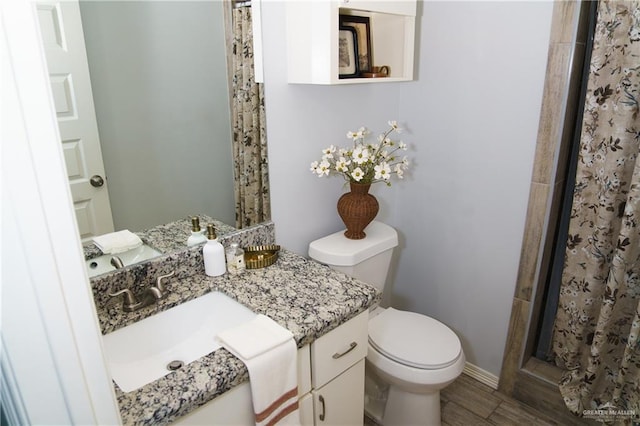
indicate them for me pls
(248, 122)
(596, 332)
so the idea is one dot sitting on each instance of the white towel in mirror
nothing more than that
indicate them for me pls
(117, 242)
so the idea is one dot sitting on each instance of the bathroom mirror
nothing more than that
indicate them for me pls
(158, 73)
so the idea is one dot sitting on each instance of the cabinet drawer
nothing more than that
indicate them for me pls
(339, 349)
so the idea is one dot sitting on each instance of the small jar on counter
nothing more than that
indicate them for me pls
(235, 259)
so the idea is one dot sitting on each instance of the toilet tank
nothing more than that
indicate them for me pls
(367, 259)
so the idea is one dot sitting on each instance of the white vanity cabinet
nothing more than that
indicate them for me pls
(312, 39)
(330, 383)
(235, 407)
(337, 373)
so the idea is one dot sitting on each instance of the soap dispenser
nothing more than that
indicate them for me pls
(197, 235)
(213, 254)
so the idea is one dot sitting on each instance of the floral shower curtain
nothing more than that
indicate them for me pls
(597, 328)
(248, 126)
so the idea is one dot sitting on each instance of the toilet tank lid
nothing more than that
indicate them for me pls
(338, 250)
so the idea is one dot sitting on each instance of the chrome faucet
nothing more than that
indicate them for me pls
(149, 297)
(159, 291)
(117, 262)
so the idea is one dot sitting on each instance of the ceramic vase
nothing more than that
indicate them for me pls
(357, 209)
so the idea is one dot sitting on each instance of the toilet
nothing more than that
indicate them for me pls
(410, 357)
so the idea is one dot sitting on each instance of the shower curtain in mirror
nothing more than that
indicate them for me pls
(248, 126)
(597, 327)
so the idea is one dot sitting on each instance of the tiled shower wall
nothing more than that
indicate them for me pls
(522, 376)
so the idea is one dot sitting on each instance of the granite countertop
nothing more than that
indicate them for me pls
(302, 295)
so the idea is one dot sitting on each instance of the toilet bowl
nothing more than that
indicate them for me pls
(410, 356)
(417, 356)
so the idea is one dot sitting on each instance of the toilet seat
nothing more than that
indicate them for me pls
(413, 339)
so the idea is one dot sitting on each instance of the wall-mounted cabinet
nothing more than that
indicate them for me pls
(313, 39)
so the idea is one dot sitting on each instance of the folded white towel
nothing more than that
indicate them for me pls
(270, 354)
(117, 242)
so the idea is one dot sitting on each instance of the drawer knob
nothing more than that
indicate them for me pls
(352, 346)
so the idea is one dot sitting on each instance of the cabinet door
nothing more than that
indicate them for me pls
(341, 401)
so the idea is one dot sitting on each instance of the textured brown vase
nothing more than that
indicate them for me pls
(357, 209)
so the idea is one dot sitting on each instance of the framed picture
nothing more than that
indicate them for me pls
(363, 35)
(348, 53)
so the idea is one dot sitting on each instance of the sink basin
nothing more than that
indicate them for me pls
(142, 352)
(102, 264)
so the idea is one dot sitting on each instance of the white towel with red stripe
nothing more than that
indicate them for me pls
(270, 354)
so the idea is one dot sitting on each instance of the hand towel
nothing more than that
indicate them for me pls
(117, 242)
(270, 354)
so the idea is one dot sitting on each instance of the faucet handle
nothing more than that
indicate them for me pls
(129, 297)
(159, 284)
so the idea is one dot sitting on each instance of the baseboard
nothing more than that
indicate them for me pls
(483, 376)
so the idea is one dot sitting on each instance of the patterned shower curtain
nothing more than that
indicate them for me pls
(248, 121)
(597, 328)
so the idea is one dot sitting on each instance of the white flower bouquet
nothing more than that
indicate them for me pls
(365, 163)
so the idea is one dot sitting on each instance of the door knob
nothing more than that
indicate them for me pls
(96, 180)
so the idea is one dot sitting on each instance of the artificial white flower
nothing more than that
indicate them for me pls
(357, 174)
(364, 162)
(323, 168)
(342, 165)
(357, 135)
(399, 171)
(328, 152)
(394, 126)
(360, 155)
(383, 171)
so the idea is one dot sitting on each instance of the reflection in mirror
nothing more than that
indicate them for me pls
(159, 79)
(141, 91)
(162, 239)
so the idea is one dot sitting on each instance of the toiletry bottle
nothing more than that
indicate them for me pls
(235, 259)
(197, 235)
(213, 254)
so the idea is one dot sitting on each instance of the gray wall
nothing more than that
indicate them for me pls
(159, 81)
(471, 118)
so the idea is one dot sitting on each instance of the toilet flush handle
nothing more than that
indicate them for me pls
(352, 346)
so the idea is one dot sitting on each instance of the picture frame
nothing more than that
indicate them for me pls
(361, 24)
(348, 64)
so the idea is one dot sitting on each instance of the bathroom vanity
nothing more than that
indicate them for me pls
(326, 311)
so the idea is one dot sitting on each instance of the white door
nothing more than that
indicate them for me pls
(63, 38)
